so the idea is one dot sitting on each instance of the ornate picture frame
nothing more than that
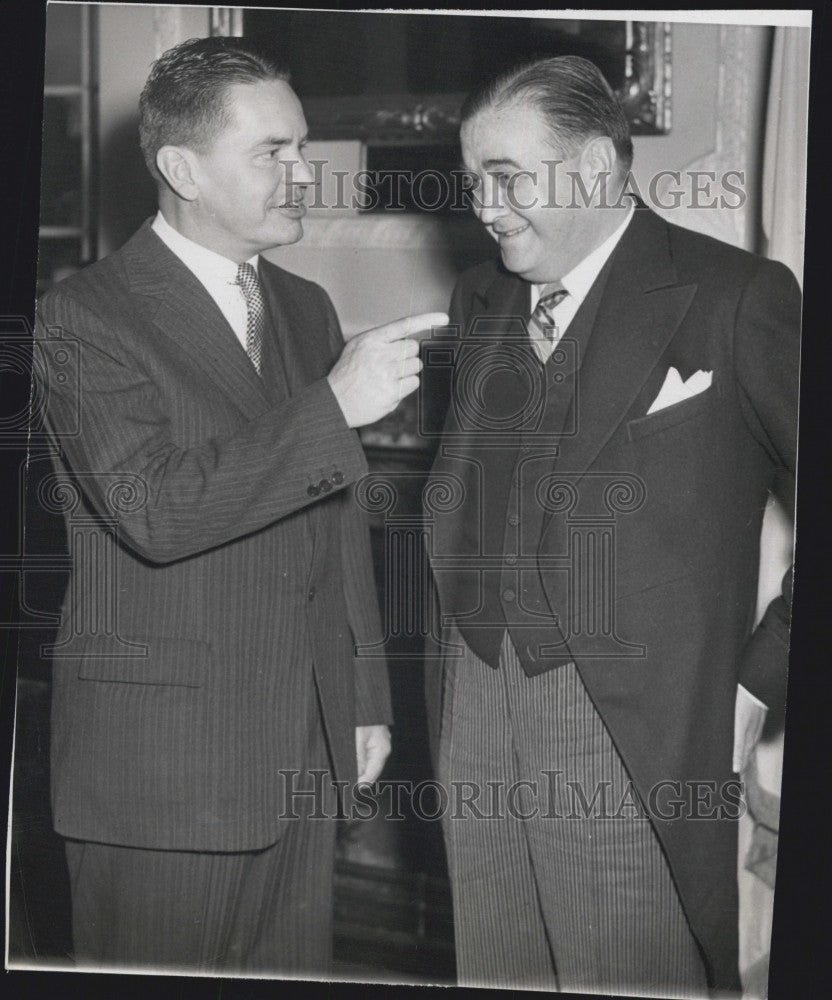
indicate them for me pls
(644, 61)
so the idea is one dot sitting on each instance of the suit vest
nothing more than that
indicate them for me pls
(536, 406)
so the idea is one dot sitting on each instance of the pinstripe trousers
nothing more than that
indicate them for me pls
(558, 878)
(263, 912)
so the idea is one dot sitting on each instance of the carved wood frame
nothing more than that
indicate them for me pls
(404, 118)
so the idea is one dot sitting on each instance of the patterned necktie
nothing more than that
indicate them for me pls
(256, 309)
(542, 322)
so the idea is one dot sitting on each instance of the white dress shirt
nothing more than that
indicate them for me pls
(217, 273)
(578, 283)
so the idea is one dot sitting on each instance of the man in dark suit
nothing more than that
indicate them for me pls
(208, 687)
(624, 393)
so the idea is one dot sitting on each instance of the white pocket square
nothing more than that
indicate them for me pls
(675, 390)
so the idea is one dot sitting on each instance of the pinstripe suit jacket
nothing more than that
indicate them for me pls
(221, 569)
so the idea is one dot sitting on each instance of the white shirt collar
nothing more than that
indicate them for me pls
(582, 277)
(207, 265)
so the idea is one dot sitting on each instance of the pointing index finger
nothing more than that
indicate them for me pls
(418, 327)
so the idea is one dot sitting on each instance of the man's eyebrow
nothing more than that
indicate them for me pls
(281, 141)
(504, 162)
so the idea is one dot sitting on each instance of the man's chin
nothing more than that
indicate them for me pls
(291, 231)
(530, 268)
(514, 262)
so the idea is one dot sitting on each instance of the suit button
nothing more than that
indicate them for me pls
(337, 478)
(313, 491)
(511, 559)
(509, 595)
(325, 486)
(311, 594)
(513, 520)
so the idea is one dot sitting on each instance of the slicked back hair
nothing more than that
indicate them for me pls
(184, 101)
(570, 94)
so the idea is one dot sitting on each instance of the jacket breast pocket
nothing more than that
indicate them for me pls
(166, 661)
(672, 416)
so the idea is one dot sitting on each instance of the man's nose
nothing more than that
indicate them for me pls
(299, 172)
(490, 206)
(305, 173)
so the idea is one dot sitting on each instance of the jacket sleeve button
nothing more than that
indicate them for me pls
(337, 478)
(313, 490)
(325, 485)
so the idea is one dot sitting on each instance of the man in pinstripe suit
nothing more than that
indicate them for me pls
(625, 392)
(205, 425)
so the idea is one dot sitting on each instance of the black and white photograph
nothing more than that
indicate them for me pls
(405, 498)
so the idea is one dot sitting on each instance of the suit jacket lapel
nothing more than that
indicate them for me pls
(183, 309)
(500, 318)
(274, 365)
(301, 351)
(496, 309)
(640, 311)
(506, 296)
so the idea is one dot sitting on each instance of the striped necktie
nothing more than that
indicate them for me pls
(542, 324)
(256, 309)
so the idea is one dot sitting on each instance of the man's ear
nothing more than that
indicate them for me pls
(176, 166)
(599, 159)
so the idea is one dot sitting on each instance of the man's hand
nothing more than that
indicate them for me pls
(372, 747)
(379, 367)
(749, 717)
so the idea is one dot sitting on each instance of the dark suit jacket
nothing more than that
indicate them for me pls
(686, 557)
(221, 569)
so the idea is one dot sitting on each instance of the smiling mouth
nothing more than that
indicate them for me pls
(508, 233)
